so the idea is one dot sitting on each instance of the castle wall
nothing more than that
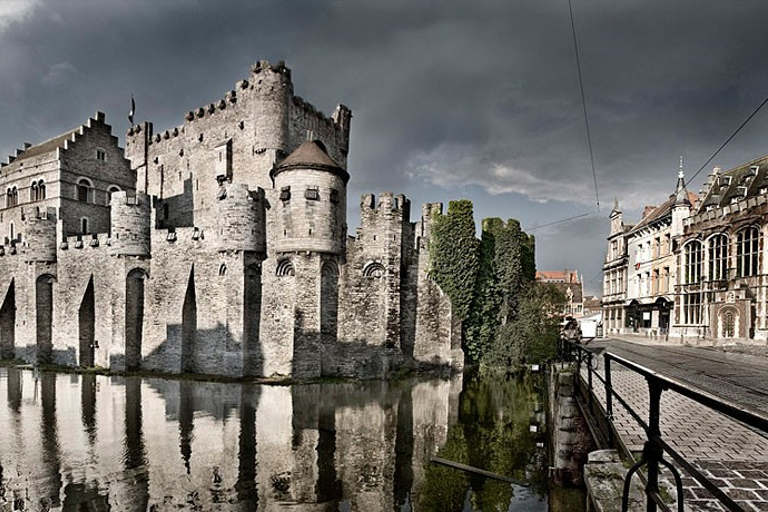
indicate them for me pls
(239, 137)
(218, 285)
(371, 283)
(202, 264)
(437, 341)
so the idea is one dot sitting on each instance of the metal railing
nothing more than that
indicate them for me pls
(655, 446)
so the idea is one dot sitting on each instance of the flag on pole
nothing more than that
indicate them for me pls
(133, 110)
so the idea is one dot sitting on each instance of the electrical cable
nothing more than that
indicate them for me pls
(559, 221)
(584, 104)
(728, 139)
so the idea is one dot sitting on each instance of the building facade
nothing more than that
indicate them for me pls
(217, 247)
(697, 264)
(568, 282)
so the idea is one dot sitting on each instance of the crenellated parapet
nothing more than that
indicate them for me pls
(388, 214)
(241, 219)
(429, 212)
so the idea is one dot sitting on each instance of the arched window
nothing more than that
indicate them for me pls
(285, 268)
(718, 258)
(373, 269)
(85, 190)
(37, 190)
(330, 269)
(12, 198)
(84, 225)
(747, 242)
(111, 190)
(692, 262)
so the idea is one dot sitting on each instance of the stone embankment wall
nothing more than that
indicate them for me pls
(571, 440)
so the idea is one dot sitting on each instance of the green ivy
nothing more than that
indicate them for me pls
(454, 255)
(483, 278)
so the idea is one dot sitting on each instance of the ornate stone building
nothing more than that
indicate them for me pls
(615, 274)
(723, 288)
(219, 246)
(714, 246)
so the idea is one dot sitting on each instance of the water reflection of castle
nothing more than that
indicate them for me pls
(132, 444)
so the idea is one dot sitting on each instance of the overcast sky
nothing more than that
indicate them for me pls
(451, 99)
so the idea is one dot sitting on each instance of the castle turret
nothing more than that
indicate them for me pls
(136, 150)
(130, 224)
(274, 90)
(240, 219)
(311, 202)
(40, 230)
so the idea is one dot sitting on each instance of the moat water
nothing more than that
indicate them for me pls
(96, 443)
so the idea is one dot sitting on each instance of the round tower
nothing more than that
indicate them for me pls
(311, 201)
(273, 88)
(240, 219)
(130, 224)
(40, 235)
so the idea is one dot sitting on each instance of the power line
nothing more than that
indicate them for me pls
(584, 104)
(728, 139)
(561, 221)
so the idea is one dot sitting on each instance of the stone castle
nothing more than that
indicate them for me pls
(217, 247)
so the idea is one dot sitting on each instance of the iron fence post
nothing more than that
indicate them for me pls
(589, 377)
(653, 450)
(608, 396)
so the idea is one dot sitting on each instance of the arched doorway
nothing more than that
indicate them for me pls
(189, 327)
(8, 324)
(44, 317)
(134, 317)
(252, 314)
(87, 326)
(728, 323)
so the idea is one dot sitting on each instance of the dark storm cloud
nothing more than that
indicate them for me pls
(449, 98)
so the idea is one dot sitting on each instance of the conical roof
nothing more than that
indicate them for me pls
(310, 155)
(681, 194)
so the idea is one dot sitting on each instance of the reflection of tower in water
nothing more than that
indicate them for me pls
(49, 480)
(135, 456)
(246, 474)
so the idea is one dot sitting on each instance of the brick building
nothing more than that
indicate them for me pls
(568, 282)
(219, 246)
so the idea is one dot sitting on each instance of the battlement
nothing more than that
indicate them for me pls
(387, 201)
(94, 241)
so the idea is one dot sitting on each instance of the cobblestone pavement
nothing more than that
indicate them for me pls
(732, 455)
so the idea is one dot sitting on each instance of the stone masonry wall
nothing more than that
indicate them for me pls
(199, 266)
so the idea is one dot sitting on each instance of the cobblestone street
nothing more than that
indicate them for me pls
(733, 455)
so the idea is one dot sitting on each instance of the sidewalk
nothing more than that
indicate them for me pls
(734, 456)
(688, 341)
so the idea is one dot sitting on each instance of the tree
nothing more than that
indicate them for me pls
(532, 336)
